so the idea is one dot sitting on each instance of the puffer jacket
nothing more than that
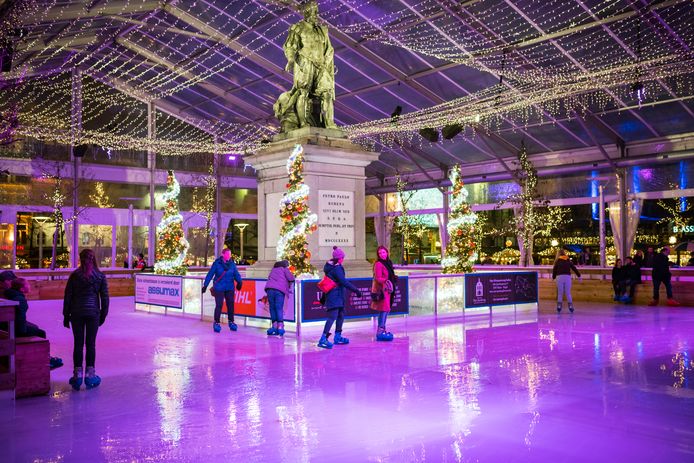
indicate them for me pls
(661, 267)
(223, 281)
(336, 297)
(20, 317)
(564, 267)
(86, 296)
(281, 279)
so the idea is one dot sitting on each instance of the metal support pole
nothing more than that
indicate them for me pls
(221, 234)
(75, 129)
(131, 220)
(382, 222)
(601, 216)
(444, 222)
(622, 246)
(151, 164)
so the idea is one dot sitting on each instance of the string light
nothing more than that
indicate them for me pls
(172, 245)
(297, 219)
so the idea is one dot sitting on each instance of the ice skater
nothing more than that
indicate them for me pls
(382, 289)
(224, 272)
(279, 285)
(562, 273)
(335, 299)
(85, 308)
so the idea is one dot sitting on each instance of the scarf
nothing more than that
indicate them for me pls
(388, 264)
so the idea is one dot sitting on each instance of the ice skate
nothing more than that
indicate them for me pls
(91, 380)
(76, 380)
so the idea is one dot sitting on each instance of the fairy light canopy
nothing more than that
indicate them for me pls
(557, 75)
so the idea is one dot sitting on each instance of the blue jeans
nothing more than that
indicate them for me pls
(564, 288)
(656, 287)
(382, 319)
(275, 299)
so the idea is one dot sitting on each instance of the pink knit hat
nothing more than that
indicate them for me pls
(338, 253)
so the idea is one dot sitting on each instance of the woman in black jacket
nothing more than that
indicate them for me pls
(85, 306)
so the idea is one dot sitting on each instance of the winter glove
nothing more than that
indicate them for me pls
(238, 286)
(358, 293)
(204, 289)
(66, 322)
(102, 320)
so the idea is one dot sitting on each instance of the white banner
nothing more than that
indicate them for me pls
(162, 290)
(336, 218)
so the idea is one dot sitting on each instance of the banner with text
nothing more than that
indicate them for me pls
(251, 301)
(336, 218)
(162, 290)
(313, 310)
(502, 288)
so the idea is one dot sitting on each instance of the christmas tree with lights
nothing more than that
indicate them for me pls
(172, 245)
(297, 220)
(461, 250)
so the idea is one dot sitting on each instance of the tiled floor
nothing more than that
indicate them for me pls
(609, 383)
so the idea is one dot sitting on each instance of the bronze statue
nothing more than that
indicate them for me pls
(310, 57)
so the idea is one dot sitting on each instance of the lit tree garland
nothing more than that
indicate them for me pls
(205, 206)
(172, 245)
(527, 220)
(100, 198)
(461, 250)
(678, 212)
(410, 227)
(297, 220)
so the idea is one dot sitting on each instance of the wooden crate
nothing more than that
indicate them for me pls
(33, 374)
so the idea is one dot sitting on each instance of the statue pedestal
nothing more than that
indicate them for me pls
(334, 171)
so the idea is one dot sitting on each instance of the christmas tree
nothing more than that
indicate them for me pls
(461, 251)
(297, 220)
(172, 245)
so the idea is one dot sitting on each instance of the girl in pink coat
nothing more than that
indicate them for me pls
(382, 290)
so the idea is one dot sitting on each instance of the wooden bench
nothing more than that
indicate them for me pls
(33, 374)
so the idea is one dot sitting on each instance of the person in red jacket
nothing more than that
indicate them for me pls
(382, 290)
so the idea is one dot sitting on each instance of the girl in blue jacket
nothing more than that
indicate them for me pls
(335, 299)
(224, 273)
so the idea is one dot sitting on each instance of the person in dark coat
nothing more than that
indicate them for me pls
(85, 308)
(618, 278)
(562, 273)
(648, 258)
(638, 258)
(19, 288)
(279, 285)
(335, 299)
(632, 277)
(661, 274)
(225, 273)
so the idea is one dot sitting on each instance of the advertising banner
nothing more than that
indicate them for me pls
(313, 310)
(161, 290)
(251, 301)
(502, 288)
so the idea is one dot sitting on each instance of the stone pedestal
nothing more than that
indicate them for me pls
(334, 171)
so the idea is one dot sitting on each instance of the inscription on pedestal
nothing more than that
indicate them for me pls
(336, 218)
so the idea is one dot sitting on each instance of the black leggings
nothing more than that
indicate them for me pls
(338, 313)
(219, 298)
(80, 325)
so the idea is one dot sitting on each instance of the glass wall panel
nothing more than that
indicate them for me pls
(200, 243)
(250, 239)
(20, 190)
(118, 195)
(99, 239)
(6, 244)
(240, 200)
(140, 245)
(35, 241)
